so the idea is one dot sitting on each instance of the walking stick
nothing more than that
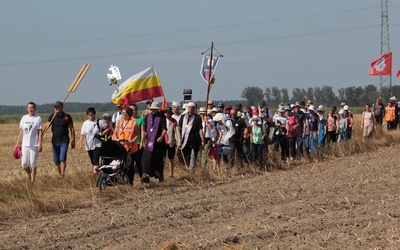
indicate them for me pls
(184, 160)
(72, 88)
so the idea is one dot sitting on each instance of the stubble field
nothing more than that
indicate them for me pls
(346, 199)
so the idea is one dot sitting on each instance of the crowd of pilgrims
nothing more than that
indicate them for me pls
(232, 136)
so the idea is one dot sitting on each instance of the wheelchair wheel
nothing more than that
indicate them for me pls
(125, 179)
(102, 182)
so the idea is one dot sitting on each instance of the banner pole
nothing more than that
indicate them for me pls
(72, 88)
(209, 84)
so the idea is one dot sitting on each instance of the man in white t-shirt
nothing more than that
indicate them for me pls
(117, 115)
(30, 138)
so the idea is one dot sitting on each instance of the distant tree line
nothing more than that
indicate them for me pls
(70, 107)
(353, 96)
(78, 107)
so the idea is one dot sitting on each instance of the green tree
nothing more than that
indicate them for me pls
(353, 96)
(285, 95)
(310, 94)
(268, 96)
(253, 95)
(328, 96)
(341, 93)
(385, 94)
(318, 98)
(298, 95)
(276, 94)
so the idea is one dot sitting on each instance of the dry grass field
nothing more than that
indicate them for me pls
(346, 198)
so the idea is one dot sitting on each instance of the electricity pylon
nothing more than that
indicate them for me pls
(385, 41)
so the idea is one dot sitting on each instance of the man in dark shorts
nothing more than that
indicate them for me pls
(171, 138)
(61, 125)
(236, 140)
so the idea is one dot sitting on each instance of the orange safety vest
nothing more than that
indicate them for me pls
(125, 134)
(389, 116)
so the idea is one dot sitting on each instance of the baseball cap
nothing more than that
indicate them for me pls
(107, 115)
(58, 104)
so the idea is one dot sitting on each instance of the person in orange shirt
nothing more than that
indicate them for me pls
(390, 115)
(126, 132)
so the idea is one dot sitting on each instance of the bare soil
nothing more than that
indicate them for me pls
(346, 203)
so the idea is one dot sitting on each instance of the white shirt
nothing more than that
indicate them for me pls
(176, 117)
(116, 117)
(282, 119)
(30, 126)
(210, 133)
(89, 129)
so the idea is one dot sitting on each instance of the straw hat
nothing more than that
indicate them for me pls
(202, 110)
(155, 106)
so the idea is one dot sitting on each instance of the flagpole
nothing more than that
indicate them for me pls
(209, 84)
(72, 88)
(210, 79)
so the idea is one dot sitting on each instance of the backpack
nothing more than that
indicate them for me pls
(102, 138)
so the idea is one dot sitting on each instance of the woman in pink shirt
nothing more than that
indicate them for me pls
(332, 124)
(291, 126)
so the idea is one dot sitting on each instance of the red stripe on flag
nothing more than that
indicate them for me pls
(140, 95)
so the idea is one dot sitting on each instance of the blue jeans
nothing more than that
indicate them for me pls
(256, 153)
(313, 141)
(299, 144)
(306, 142)
(60, 152)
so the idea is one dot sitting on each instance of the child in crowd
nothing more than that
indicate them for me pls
(343, 123)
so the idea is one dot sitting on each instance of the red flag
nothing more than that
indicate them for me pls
(382, 66)
(398, 74)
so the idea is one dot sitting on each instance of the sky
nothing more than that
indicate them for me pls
(286, 44)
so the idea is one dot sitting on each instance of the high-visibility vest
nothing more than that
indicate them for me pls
(389, 116)
(124, 135)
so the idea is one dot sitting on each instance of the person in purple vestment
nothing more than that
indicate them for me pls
(153, 144)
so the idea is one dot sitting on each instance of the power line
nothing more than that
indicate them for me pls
(317, 33)
(188, 30)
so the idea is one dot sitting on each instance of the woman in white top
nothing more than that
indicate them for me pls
(30, 138)
(89, 131)
(210, 134)
(368, 123)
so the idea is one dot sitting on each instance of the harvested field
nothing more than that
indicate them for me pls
(337, 202)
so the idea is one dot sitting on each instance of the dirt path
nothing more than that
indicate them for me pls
(352, 203)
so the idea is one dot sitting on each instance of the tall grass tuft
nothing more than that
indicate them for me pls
(51, 195)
